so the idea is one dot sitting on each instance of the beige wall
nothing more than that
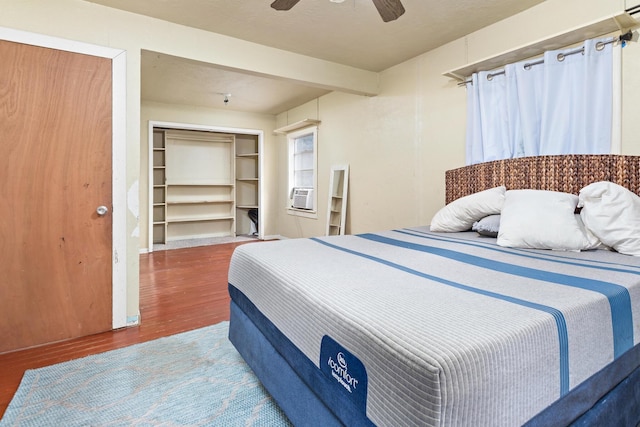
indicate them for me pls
(400, 143)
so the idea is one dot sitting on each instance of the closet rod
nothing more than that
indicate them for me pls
(527, 66)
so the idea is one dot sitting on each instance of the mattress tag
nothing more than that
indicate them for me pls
(345, 370)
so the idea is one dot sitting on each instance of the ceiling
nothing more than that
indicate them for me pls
(181, 81)
(350, 33)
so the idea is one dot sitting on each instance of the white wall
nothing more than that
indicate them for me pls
(397, 145)
(400, 143)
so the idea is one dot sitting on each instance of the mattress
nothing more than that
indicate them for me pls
(411, 327)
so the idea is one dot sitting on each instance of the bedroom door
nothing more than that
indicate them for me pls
(55, 173)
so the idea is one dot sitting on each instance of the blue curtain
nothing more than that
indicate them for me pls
(560, 106)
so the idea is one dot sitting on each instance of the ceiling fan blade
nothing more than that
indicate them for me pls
(284, 4)
(389, 9)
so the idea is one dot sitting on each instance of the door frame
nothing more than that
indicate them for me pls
(118, 161)
(208, 128)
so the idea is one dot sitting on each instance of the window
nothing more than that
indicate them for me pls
(303, 165)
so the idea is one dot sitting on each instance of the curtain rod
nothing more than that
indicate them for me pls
(633, 10)
(561, 56)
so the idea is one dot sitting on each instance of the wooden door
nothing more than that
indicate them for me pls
(55, 170)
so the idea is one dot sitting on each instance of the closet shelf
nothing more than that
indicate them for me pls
(618, 22)
(195, 201)
(199, 184)
(200, 218)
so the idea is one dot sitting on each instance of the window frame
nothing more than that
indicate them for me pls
(291, 138)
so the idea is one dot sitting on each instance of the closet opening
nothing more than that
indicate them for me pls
(204, 185)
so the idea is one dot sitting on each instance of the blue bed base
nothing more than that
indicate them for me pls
(298, 402)
(297, 391)
(611, 397)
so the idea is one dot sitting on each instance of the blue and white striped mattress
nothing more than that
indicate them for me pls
(446, 328)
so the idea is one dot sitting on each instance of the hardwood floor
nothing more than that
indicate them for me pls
(180, 290)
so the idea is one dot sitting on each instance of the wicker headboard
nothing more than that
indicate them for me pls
(567, 173)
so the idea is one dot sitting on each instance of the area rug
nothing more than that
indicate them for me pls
(195, 378)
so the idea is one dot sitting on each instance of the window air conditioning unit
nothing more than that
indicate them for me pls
(302, 198)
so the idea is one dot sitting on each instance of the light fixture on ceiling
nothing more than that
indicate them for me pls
(226, 97)
(336, 1)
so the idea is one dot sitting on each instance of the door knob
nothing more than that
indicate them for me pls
(102, 210)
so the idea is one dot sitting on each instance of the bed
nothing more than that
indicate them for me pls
(430, 328)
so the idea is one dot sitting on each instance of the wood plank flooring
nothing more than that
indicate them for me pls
(180, 290)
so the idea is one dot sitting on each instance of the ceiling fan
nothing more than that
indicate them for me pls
(389, 10)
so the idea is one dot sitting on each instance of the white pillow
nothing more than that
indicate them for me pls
(460, 214)
(539, 219)
(612, 213)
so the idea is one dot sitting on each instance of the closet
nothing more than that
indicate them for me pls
(204, 184)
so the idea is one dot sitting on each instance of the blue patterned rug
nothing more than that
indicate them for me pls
(193, 378)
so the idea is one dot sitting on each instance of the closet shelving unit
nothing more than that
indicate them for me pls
(159, 188)
(199, 210)
(194, 188)
(247, 181)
